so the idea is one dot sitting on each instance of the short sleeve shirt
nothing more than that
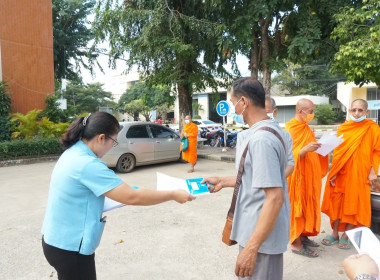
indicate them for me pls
(264, 167)
(75, 203)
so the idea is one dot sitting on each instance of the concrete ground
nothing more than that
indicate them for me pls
(162, 242)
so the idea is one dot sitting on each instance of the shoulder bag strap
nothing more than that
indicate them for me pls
(231, 211)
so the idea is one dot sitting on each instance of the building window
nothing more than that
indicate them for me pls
(373, 94)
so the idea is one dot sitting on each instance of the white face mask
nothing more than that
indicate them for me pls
(362, 118)
(187, 121)
(270, 115)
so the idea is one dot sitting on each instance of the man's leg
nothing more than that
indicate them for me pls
(268, 267)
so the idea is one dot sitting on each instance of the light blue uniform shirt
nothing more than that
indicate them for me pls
(75, 204)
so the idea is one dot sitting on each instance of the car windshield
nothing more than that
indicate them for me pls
(208, 122)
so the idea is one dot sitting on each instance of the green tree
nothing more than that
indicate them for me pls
(325, 114)
(269, 31)
(86, 98)
(308, 79)
(175, 42)
(358, 32)
(52, 110)
(71, 36)
(141, 98)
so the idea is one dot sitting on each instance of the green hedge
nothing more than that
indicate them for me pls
(22, 148)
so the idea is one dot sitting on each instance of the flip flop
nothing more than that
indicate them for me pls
(331, 240)
(309, 242)
(344, 244)
(305, 251)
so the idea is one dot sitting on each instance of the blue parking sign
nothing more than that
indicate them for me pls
(222, 108)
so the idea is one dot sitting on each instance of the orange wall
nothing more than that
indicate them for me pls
(26, 38)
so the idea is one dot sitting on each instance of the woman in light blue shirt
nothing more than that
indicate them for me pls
(73, 223)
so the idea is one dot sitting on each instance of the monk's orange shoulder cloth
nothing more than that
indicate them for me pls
(305, 183)
(351, 164)
(190, 155)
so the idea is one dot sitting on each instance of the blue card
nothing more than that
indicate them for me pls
(196, 187)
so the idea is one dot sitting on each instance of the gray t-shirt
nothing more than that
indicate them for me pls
(264, 167)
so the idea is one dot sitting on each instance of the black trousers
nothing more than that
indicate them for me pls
(70, 265)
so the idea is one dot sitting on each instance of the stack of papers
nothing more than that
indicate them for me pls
(329, 142)
(192, 186)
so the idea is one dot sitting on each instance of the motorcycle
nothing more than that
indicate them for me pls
(210, 136)
(230, 140)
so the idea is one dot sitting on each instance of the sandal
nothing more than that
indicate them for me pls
(305, 251)
(344, 244)
(309, 242)
(329, 240)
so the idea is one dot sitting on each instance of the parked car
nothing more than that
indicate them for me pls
(208, 124)
(142, 143)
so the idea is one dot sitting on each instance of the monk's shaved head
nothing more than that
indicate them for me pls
(360, 101)
(304, 103)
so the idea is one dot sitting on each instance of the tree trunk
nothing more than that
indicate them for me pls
(265, 55)
(185, 102)
(254, 59)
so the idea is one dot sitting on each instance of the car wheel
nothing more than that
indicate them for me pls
(126, 163)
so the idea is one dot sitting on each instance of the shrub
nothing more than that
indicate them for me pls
(196, 117)
(324, 113)
(24, 148)
(5, 126)
(31, 126)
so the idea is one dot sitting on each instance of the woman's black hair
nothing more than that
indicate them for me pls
(250, 88)
(90, 126)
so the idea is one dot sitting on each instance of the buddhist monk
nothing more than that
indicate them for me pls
(305, 182)
(190, 131)
(347, 197)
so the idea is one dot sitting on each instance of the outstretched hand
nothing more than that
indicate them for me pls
(214, 184)
(182, 196)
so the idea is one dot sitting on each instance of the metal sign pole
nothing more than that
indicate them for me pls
(224, 130)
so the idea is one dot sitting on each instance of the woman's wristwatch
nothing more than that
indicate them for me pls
(364, 276)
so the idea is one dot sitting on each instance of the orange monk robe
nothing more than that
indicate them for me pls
(350, 199)
(190, 155)
(305, 183)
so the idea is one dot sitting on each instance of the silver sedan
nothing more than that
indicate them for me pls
(142, 143)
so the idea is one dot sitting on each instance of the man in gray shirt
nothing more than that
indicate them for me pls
(261, 218)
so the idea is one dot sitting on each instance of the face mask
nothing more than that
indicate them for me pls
(238, 118)
(308, 118)
(187, 121)
(362, 118)
(270, 115)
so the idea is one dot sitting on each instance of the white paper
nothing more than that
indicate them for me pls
(169, 183)
(110, 204)
(365, 242)
(329, 142)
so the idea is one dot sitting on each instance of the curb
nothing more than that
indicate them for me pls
(23, 161)
(217, 157)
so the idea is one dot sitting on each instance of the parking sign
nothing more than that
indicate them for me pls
(222, 108)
